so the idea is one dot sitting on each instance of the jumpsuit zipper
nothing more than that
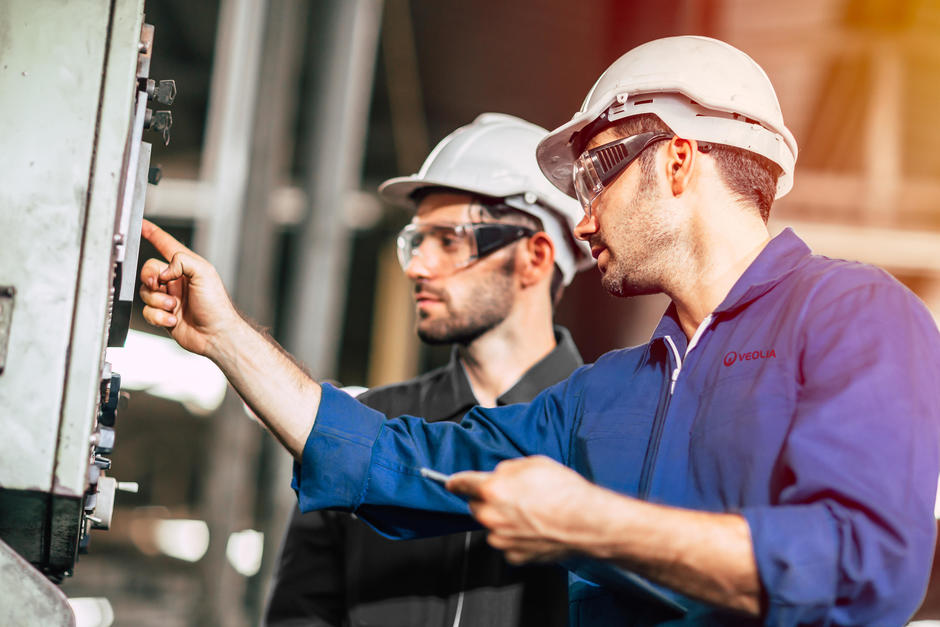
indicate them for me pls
(464, 566)
(659, 422)
(646, 476)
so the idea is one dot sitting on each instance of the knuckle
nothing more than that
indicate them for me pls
(486, 517)
(154, 265)
(506, 464)
(488, 492)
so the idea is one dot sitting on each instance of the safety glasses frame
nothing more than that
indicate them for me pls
(484, 238)
(596, 168)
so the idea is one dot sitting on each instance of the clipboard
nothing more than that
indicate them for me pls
(628, 587)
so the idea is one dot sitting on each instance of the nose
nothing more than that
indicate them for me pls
(586, 227)
(417, 268)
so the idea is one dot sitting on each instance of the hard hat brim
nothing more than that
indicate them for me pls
(556, 153)
(398, 191)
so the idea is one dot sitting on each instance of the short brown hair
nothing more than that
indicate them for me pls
(499, 211)
(749, 176)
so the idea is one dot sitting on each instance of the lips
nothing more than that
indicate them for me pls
(426, 294)
(597, 246)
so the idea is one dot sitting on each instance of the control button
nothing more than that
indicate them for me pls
(94, 474)
(159, 122)
(104, 443)
(112, 393)
(162, 92)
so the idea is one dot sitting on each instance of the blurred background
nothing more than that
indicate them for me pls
(290, 113)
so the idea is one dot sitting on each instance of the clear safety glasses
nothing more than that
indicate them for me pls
(596, 168)
(446, 248)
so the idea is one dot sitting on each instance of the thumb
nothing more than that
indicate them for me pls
(467, 483)
(181, 265)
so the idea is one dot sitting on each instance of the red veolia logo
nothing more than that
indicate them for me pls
(733, 356)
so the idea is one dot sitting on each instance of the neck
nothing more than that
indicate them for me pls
(496, 360)
(718, 251)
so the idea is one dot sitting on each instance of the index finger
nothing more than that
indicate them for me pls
(467, 483)
(166, 244)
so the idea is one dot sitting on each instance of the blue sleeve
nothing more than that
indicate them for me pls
(355, 459)
(335, 459)
(849, 540)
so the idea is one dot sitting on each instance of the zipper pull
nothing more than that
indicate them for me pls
(675, 373)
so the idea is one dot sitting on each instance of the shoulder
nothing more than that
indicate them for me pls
(841, 273)
(823, 282)
(836, 294)
(613, 363)
(405, 397)
(622, 356)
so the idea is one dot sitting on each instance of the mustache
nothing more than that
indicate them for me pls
(430, 290)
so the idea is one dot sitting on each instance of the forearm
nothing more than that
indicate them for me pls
(186, 296)
(284, 397)
(703, 555)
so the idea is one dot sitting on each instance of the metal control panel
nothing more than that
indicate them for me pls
(77, 103)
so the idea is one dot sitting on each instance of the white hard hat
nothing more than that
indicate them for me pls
(701, 88)
(495, 156)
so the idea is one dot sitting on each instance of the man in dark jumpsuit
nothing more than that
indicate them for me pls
(333, 570)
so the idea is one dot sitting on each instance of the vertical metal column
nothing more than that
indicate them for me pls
(272, 151)
(395, 349)
(230, 488)
(349, 29)
(232, 99)
(239, 183)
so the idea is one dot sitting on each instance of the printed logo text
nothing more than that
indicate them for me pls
(733, 356)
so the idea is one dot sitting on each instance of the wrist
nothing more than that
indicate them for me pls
(595, 522)
(226, 339)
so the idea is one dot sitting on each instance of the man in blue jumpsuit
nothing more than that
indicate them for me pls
(769, 457)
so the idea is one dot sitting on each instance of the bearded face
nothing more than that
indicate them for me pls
(460, 306)
(469, 305)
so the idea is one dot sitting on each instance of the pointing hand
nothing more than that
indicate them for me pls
(186, 295)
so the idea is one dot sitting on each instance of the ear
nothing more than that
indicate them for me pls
(538, 259)
(681, 159)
